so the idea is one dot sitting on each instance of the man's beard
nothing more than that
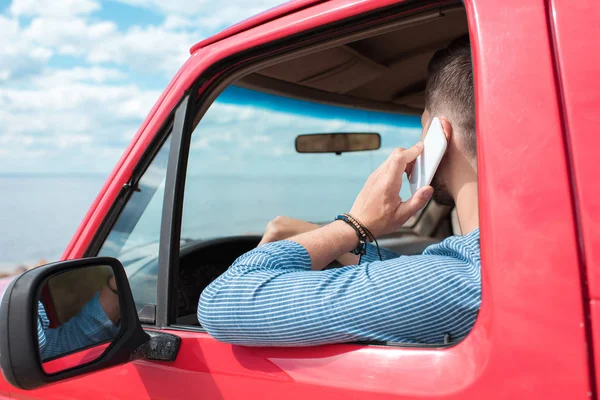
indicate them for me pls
(441, 195)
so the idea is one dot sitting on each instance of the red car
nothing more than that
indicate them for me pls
(190, 194)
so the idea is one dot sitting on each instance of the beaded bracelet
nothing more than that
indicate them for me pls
(361, 248)
(362, 232)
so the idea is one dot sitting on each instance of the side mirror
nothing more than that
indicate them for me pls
(67, 319)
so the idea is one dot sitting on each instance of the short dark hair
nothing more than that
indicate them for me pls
(449, 90)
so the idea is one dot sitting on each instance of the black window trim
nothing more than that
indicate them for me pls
(129, 188)
(170, 227)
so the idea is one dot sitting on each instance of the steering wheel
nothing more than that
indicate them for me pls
(201, 262)
(237, 242)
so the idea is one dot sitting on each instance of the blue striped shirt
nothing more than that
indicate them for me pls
(91, 326)
(271, 297)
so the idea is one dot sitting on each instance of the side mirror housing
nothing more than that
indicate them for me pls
(24, 358)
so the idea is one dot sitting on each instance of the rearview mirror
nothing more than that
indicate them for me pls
(337, 143)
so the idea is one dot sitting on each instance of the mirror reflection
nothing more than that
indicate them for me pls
(77, 310)
(337, 142)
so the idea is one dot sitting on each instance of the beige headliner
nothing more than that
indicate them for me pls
(385, 72)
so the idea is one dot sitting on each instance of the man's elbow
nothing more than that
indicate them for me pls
(208, 320)
(212, 315)
(218, 316)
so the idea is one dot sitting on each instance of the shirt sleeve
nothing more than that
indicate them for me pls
(270, 297)
(42, 325)
(91, 326)
(372, 255)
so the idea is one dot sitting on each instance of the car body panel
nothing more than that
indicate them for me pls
(579, 68)
(256, 20)
(529, 340)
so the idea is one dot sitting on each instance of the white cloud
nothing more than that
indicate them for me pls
(154, 48)
(52, 8)
(82, 116)
(145, 49)
(70, 117)
(59, 77)
(19, 57)
(207, 14)
(73, 36)
(178, 22)
(66, 27)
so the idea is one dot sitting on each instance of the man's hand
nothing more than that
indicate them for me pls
(282, 228)
(378, 205)
(109, 301)
(285, 227)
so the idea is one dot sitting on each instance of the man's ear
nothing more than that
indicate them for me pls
(447, 127)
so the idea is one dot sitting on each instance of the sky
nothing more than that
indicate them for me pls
(77, 77)
(250, 133)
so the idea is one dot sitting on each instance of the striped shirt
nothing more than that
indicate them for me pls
(91, 326)
(271, 297)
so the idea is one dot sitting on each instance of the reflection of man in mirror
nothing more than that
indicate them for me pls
(96, 323)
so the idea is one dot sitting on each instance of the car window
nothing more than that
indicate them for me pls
(244, 170)
(134, 238)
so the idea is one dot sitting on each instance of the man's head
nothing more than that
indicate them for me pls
(449, 95)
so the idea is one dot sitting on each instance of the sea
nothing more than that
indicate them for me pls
(39, 214)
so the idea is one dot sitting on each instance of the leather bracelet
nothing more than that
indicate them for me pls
(362, 232)
(361, 248)
(108, 284)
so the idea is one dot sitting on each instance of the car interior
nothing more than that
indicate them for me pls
(382, 72)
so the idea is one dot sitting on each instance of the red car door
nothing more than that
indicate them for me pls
(575, 27)
(528, 340)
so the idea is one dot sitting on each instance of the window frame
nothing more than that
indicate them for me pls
(129, 188)
(399, 14)
(209, 85)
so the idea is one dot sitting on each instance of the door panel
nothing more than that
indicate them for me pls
(528, 254)
(576, 28)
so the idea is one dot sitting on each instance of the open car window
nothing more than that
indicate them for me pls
(244, 170)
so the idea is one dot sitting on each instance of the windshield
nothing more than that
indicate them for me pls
(244, 169)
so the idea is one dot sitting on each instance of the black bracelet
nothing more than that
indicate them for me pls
(361, 248)
(362, 232)
(108, 284)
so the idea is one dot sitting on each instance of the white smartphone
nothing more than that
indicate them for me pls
(434, 147)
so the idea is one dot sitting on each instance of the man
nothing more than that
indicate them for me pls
(96, 323)
(279, 294)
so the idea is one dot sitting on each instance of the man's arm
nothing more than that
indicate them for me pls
(89, 327)
(92, 325)
(281, 228)
(378, 207)
(270, 297)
